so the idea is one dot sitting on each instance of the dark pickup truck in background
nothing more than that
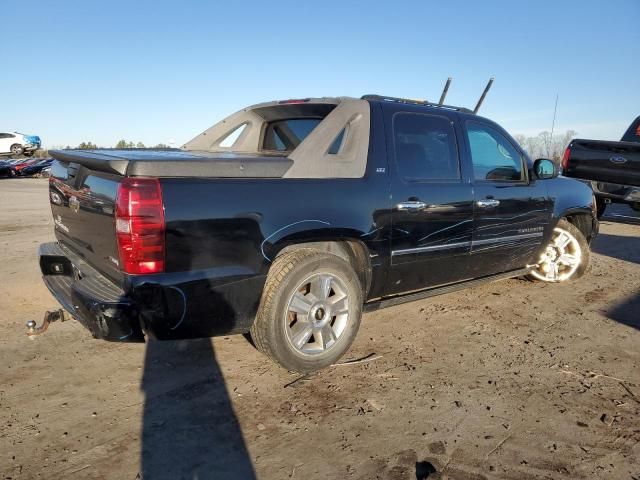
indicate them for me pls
(288, 219)
(611, 168)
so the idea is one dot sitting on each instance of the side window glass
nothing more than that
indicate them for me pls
(494, 157)
(425, 147)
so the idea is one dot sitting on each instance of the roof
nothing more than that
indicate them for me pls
(410, 101)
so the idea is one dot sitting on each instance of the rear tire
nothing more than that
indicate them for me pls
(16, 149)
(310, 310)
(636, 206)
(566, 257)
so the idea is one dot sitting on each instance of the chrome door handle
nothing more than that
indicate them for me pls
(487, 203)
(411, 206)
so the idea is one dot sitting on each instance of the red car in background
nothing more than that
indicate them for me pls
(25, 163)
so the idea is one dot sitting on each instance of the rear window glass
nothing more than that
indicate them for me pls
(286, 135)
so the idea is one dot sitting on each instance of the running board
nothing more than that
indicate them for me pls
(432, 292)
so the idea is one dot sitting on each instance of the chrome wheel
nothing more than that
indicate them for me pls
(317, 314)
(561, 258)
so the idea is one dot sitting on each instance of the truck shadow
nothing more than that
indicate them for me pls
(617, 246)
(189, 428)
(627, 312)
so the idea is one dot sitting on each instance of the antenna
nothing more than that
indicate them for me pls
(553, 124)
(444, 92)
(484, 94)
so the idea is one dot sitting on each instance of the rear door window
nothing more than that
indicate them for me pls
(425, 147)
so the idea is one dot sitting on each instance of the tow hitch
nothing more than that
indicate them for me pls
(49, 317)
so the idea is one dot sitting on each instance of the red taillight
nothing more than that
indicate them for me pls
(565, 158)
(140, 225)
(293, 101)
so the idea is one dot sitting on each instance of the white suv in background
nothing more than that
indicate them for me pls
(17, 144)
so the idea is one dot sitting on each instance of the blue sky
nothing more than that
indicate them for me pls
(152, 71)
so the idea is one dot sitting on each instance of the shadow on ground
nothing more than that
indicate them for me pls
(627, 312)
(616, 246)
(189, 428)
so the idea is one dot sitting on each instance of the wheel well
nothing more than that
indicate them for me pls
(353, 251)
(582, 222)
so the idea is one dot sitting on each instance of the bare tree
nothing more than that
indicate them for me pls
(544, 145)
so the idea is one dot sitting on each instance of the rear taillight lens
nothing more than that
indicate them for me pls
(565, 158)
(140, 226)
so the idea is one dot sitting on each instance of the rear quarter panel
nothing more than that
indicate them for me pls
(222, 237)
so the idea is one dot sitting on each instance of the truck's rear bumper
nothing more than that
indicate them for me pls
(195, 304)
(616, 192)
(93, 300)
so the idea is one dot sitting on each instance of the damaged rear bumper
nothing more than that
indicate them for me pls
(167, 306)
(92, 299)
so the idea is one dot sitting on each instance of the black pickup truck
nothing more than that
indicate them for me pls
(289, 219)
(611, 168)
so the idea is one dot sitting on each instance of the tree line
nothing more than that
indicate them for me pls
(544, 145)
(120, 145)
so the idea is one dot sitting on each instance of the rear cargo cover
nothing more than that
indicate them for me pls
(177, 163)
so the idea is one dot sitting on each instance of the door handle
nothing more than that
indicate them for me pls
(411, 206)
(489, 203)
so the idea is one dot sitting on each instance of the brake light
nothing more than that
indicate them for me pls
(565, 158)
(140, 226)
(293, 101)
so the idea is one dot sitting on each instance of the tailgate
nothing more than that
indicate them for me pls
(84, 184)
(602, 161)
(83, 207)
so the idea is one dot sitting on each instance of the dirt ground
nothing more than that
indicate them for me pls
(513, 380)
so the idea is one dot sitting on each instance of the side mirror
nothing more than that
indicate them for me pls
(545, 168)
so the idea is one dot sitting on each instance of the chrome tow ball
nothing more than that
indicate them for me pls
(49, 317)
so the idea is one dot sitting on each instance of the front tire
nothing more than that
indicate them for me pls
(565, 258)
(636, 206)
(310, 310)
